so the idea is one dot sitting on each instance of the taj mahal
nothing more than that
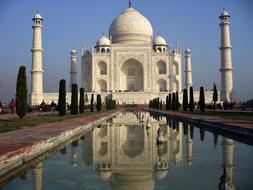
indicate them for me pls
(131, 65)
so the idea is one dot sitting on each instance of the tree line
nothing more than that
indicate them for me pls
(173, 104)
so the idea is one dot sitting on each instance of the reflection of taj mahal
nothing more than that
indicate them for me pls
(128, 154)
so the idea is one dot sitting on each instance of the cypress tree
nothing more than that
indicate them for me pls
(177, 102)
(202, 104)
(74, 99)
(167, 102)
(81, 101)
(21, 93)
(174, 101)
(161, 105)
(99, 103)
(91, 103)
(215, 96)
(170, 102)
(185, 100)
(62, 98)
(191, 99)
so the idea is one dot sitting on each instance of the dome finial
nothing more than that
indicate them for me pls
(130, 4)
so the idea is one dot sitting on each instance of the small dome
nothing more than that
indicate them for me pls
(161, 174)
(37, 16)
(224, 13)
(131, 27)
(159, 40)
(105, 175)
(103, 41)
(188, 51)
(73, 51)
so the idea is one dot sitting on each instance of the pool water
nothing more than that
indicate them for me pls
(135, 151)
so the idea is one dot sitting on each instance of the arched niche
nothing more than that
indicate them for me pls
(175, 85)
(131, 77)
(175, 69)
(132, 141)
(162, 85)
(102, 85)
(161, 67)
(102, 68)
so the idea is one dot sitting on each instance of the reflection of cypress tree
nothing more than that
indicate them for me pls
(202, 133)
(82, 137)
(170, 122)
(75, 143)
(185, 126)
(215, 139)
(191, 131)
(23, 175)
(167, 120)
(177, 125)
(173, 124)
(63, 150)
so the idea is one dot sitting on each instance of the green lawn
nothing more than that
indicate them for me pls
(14, 124)
(228, 115)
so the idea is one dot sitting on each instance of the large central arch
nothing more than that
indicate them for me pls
(131, 76)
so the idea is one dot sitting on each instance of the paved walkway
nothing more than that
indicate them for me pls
(12, 116)
(212, 119)
(11, 143)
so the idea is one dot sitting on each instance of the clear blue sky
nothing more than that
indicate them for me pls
(69, 24)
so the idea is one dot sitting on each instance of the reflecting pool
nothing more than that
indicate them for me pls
(139, 151)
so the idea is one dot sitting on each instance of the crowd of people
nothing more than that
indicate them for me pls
(11, 107)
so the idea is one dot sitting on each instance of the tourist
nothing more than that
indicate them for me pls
(53, 106)
(12, 105)
(43, 106)
(1, 107)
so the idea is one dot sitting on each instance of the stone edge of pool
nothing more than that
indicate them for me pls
(241, 131)
(27, 153)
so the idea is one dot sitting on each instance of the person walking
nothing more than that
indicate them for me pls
(1, 107)
(12, 105)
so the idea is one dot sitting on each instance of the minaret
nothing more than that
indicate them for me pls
(227, 158)
(226, 68)
(38, 175)
(37, 71)
(189, 147)
(73, 72)
(188, 69)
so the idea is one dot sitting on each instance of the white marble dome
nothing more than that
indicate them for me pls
(131, 27)
(188, 51)
(224, 13)
(73, 51)
(103, 41)
(37, 16)
(161, 174)
(159, 40)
